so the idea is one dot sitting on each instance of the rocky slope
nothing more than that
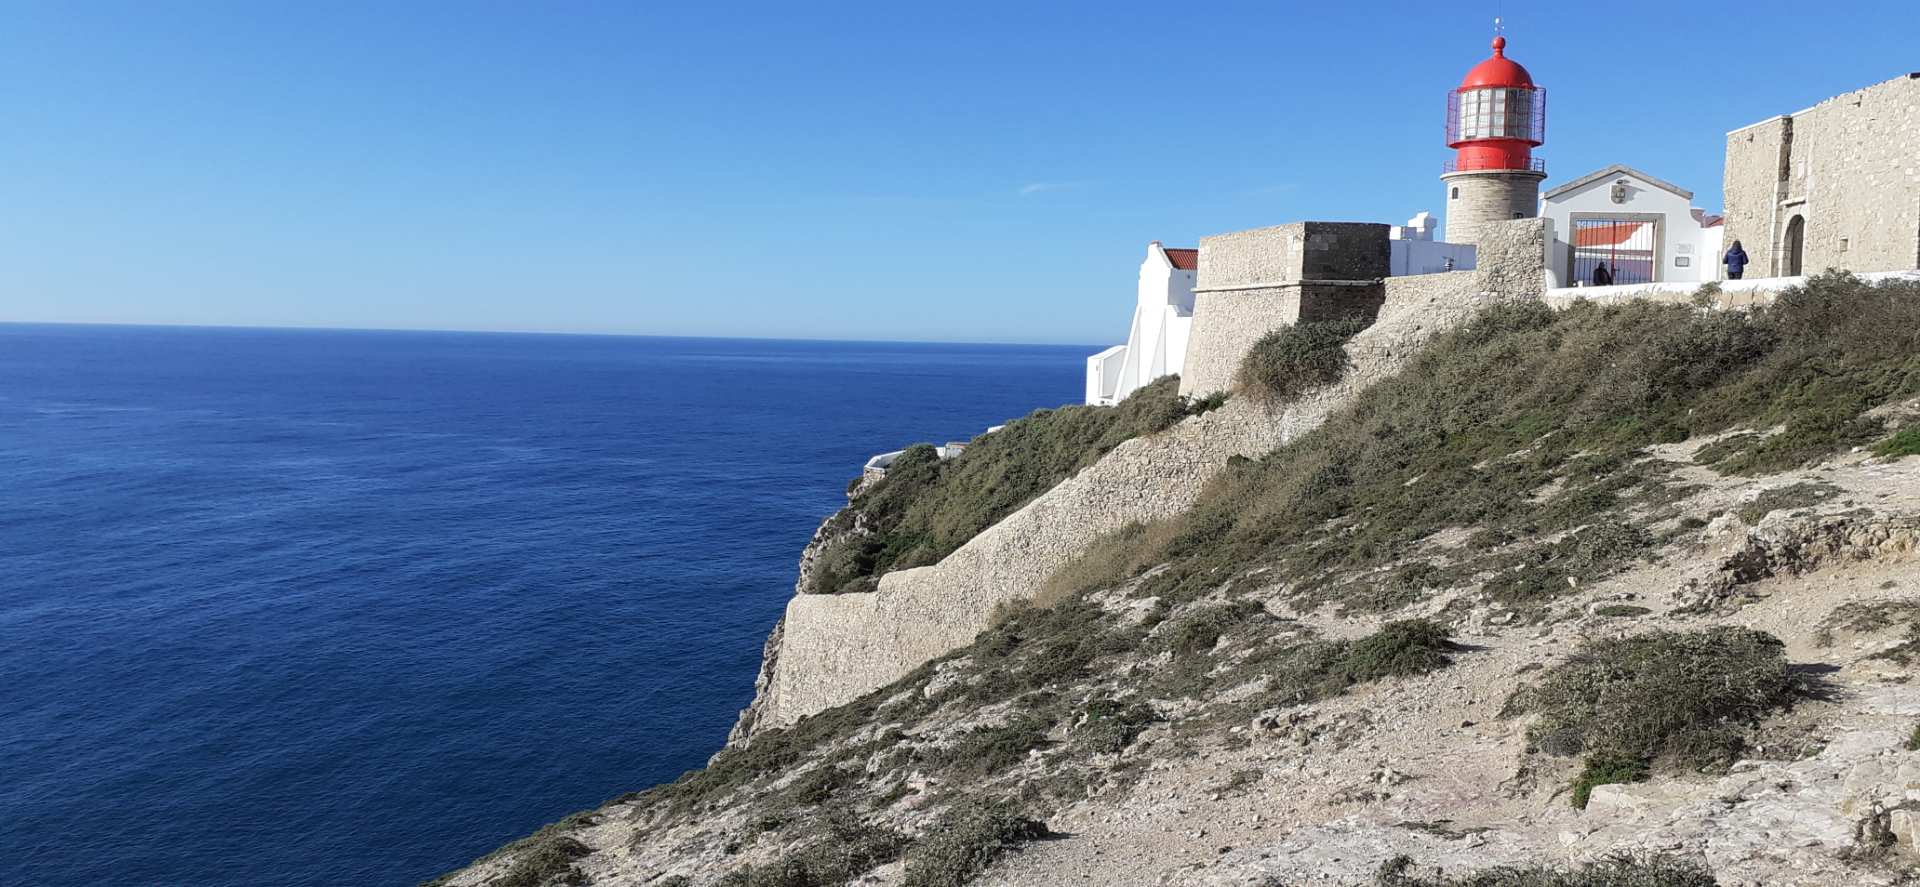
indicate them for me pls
(1348, 662)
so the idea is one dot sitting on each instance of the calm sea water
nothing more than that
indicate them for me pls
(342, 608)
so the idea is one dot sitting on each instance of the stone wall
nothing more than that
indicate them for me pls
(1849, 166)
(1727, 294)
(1291, 253)
(1253, 282)
(834, 648)
(1480, 200)
(1754, 178)
(1227, 323)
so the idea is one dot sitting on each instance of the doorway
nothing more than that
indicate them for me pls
(1796, 245)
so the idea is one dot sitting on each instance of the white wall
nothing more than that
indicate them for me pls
(1428, 256)
(1103, 374)
(1680, 233)
(1414, 251)
(1156, 337)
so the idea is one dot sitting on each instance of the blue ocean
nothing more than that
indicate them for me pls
(288, 607)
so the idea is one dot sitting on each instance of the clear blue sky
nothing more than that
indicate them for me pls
(971, 171)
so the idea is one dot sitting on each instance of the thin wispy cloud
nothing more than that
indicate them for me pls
(1033, 188)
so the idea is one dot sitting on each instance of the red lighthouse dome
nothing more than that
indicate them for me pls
(1496, 117)
(1497, 71)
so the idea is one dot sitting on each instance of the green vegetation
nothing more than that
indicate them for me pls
(968, 841)
(1615, 871)
(1295, 670)
(1681, 699)
(926, 507)
(1905, 442)
(546, 861)
(1603, 769)
(1913, 740)
(1527, 427)
(1398, 649)
(544, 857)
(1788, 498)
(1870, 617)
(1290, 360)
(1530, 425)
(849, 849)
(1620, 611)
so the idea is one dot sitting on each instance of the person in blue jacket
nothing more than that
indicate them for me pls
(1736, 261)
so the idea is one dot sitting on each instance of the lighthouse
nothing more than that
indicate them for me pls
(1495, 119)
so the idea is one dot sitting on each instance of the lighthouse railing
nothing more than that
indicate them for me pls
(1533, 164)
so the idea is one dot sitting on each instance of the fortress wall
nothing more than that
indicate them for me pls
(1253, 282)
(1755, 169)
(834, 648)
(1850, 166)
(1860, 155)
(1226, 324)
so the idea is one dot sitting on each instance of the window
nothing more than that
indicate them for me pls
(1496, 114)
(1456, 193)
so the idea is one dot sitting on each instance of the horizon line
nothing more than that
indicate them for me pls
(503, 332)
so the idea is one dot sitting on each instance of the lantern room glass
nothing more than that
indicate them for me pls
(1504, 113)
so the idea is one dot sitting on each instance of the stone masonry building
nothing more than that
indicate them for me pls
(1834, 186)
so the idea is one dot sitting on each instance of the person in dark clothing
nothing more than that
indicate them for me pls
(1601, 276)
(1736, 261)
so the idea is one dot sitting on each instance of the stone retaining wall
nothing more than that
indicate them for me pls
(834, 648)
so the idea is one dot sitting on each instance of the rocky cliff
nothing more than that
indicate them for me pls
(1588, 598)
(832, 648)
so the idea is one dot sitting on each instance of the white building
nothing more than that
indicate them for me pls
(1414, 251)
(1163, 311)
(1157, 339)
(1639, 228)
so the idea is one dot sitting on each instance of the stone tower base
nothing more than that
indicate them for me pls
(1479, 198)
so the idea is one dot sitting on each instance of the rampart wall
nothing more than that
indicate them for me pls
(1253, 282)
(833, 648)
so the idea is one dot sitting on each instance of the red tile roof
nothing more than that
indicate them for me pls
(1605, 235)
(1184, 259)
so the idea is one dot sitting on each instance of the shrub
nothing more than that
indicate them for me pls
(1788, 498)
(1654, 870)
(1199, 631)
(1605, 770)
(549, 860)
(1398, 649)
(849, 849)
(1290, 360)
(1683, 698)
(1866, 617)
(966, 842)
(996, 749)
(1620, 611)
(1905, 442)
(1110, 726)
